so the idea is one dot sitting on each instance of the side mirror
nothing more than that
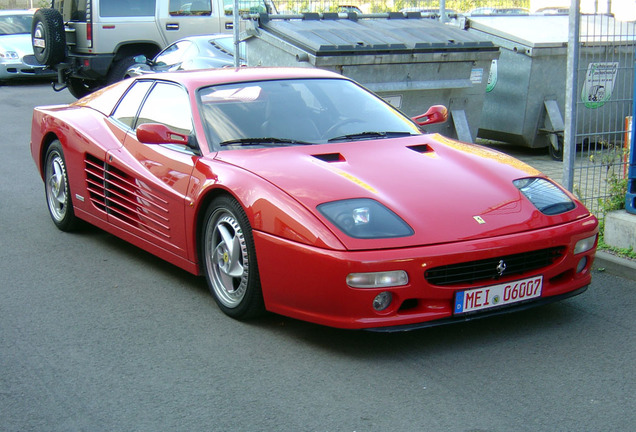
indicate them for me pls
(155, 133)
(435, 114)
(140, 59)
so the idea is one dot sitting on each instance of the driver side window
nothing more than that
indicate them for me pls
(126, 111)
(167, 104)
(188, 8)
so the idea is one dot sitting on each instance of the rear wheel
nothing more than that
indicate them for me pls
(229, 260)
(47, 37)
(58, 194)
(556, 153)
(80, 88)
(119, 69)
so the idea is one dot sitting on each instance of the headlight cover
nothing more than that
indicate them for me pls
(365, 218)
(547, 197)
(8, 55)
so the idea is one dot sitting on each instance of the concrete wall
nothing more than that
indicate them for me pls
(620, 229)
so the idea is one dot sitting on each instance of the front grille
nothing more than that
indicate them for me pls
(487, 270)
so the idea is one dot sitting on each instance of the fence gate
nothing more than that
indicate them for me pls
(602, 112)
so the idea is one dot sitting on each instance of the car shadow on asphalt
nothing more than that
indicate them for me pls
(539, 322)
(535, 322)
(135, 256)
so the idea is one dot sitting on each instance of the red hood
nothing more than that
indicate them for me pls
(442, 188)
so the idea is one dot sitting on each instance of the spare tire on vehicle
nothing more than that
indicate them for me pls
(47, 37)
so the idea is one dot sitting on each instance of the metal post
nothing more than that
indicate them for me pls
(630, 196)
(235, 27)
(442, 11)
(571, 86)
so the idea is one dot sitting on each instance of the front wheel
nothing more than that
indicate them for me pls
(229, 260)
(58, 194)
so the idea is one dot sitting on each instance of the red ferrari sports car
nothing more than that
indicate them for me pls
(299, 192)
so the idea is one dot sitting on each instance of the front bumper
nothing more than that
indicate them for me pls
(22, 69)
(308, 283)
(485, 314)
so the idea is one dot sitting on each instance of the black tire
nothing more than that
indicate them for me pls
(118, 69)
(557, 154)
(57, 189)
(80, 88)
(229, 259)
(48, 37)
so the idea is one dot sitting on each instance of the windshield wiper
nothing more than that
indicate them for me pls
(370, 135)
(264, 141)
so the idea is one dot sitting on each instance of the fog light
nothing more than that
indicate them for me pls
(382, 301)
(584, 245)
(581, 265)
(377, 279)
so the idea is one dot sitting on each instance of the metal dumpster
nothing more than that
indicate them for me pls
(410, 61)
(525, 100)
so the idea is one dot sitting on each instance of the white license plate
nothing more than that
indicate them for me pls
(498, 295)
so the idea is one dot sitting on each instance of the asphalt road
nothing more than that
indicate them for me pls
(96, 335)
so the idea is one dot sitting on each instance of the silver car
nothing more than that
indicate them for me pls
(16, 52)
(190, 53)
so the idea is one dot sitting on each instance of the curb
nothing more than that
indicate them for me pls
(606, 262)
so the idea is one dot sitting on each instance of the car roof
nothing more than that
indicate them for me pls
(200, 78)
(16, 12)
(207, 37)
(105, 99)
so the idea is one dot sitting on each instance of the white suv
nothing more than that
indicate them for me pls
(91, 43)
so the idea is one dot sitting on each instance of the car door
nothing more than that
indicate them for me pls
(149, 182)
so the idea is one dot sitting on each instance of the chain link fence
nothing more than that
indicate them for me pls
(603, 111)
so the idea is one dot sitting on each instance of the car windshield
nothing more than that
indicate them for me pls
(15, 24)
(296, 112)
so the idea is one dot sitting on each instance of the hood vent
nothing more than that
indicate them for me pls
(421, 148)
(330, 157)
